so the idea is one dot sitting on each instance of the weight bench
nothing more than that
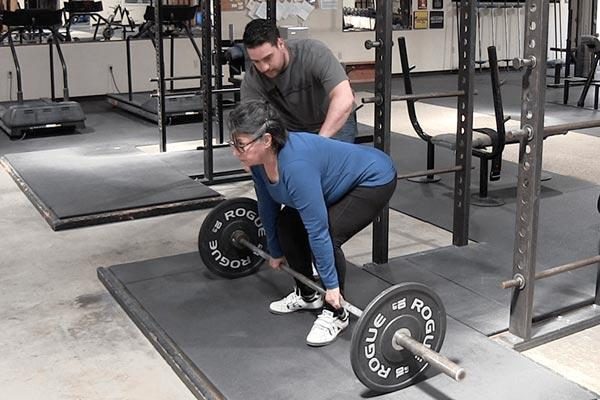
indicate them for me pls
(487, 144)
(593, 44)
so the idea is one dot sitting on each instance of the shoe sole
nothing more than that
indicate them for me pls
(293, 311)
(321, 344)
(312, 344)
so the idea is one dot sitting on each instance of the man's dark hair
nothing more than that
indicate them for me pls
(259, 32)
(257, 117)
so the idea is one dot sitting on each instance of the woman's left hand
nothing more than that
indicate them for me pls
(334, 297)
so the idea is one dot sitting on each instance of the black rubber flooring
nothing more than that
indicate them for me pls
(475, 298)
(89, 185)
(224, 329)
(568, 211)
(569, 229)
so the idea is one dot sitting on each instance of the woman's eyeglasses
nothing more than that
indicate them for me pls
(241, 147)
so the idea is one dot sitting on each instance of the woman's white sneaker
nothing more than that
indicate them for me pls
(326, 328)
(295, 302)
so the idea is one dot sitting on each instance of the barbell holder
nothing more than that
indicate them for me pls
(519, 63)
(436, 360)
(414, 96)
(370, 44)
(519, 280)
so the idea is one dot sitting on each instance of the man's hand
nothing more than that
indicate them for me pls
(275, 263)
(334, 297)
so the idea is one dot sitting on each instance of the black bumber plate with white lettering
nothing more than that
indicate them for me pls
(214, 239)
(376, 360)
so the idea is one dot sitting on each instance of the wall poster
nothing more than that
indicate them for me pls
(421, 19)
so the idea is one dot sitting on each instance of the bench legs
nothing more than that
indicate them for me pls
(581, 101)
(588, 82)
(557, 71)
(482, 199)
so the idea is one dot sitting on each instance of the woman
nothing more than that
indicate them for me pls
(329, 190)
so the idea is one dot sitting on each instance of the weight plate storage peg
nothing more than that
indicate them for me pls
(378, 358)
(215, 246)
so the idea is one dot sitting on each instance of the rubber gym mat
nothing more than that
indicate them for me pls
(568, 225)
(219, 336)
(476, 271)
(83, 186)
(483, 313)
(568, 231)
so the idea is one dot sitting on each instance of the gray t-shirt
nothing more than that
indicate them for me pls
(300, 92)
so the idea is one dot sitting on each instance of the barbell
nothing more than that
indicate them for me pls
(398, 335)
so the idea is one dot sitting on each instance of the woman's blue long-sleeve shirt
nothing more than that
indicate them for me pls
(314, 173)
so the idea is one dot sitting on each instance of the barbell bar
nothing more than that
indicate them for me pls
(177, 95)
(397, 336)
(400, 338)
(177, 78)
(196, 93)
(570, 126)
(239, 238)
(519, 280)
(427, 172)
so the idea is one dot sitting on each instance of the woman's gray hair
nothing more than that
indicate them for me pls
(257, 117)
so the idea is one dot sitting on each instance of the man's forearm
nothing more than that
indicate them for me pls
(341, 104)
(336, 118)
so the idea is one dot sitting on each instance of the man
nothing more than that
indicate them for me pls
(302, 79)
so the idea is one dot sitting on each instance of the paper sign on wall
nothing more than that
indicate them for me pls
(436, 20)
(261, 11)
(304, 9)
(328, 4)
(421, 19)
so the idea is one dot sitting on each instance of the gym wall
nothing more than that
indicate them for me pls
(88, 63)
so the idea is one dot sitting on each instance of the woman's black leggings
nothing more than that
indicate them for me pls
(357, 209)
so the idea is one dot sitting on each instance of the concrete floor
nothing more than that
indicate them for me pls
(66, 338)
